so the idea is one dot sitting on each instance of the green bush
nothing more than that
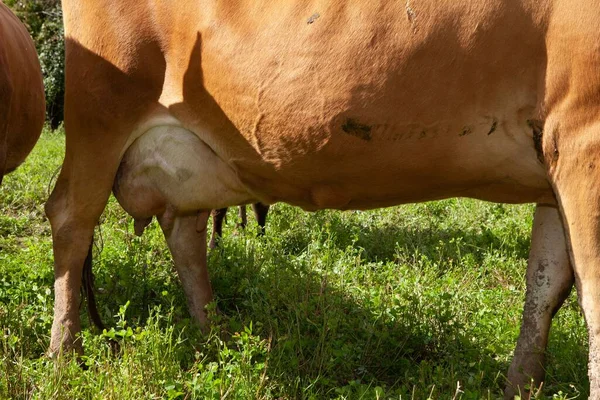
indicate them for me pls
(43, 18)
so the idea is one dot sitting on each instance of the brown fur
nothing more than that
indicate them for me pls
(22, 104)
(333, 104)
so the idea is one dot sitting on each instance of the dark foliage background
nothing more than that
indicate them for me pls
(43, 18)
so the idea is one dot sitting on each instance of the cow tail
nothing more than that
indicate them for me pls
(87, 288)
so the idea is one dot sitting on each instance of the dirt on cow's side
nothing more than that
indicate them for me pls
(412, 302)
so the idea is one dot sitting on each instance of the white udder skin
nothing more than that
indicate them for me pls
(169, 166)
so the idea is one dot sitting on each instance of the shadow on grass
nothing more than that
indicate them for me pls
(322, 333)
(325, 334)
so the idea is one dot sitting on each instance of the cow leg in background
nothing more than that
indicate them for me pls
(549, 282)
(218, 217)
(186, 237)
(243, 218)
(260, 212)
(74, 208)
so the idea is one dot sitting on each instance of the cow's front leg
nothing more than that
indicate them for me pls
(186, 237)
(549, 281)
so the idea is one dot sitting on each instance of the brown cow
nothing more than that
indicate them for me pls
(22, 103)
(187, 106)
(218, 217)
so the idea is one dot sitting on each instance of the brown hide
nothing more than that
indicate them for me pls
(22, 104)
(186, 106)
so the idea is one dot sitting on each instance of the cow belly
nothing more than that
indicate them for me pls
(169, 166)
(495, 161)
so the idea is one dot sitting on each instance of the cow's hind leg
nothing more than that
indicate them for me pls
(74, 208)
(549, 281)
(186, 237)
(104, 104)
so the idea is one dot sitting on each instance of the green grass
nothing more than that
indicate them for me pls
(402, 303)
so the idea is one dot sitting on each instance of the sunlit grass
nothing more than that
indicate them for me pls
(406, 302)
